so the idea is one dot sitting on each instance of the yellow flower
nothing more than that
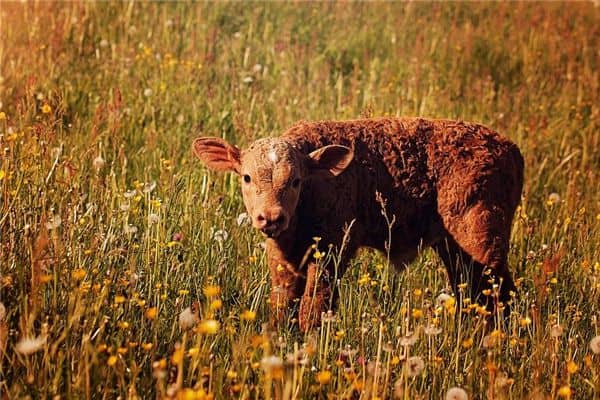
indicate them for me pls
(417, 292)
(151, 313)
(46, 109)
(212, 291)
(177, 356)
(112, 360)
(231, 374)
(467, 343)
(324, 377)
(572, 367)
(209, 326)
(2, 115)
(524, 322)
(147, 346)
(119, 299)
(78, 274)
(417, 313)
(216, 304)
(565, 391)
(248, 315)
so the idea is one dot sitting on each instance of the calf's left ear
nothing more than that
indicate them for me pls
(217, 154)
(329, 160)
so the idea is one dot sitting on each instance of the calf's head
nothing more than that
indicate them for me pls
(272, 172)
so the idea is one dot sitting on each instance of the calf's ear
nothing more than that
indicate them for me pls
(329, 160)
(217, 154)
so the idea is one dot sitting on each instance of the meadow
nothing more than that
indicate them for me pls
(128, 270)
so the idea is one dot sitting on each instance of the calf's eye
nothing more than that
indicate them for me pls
(247, 178)
(296, 183)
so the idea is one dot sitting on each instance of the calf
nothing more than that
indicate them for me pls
(450, 185)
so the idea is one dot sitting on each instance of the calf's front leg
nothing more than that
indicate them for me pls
(287, 286)
(317, 297)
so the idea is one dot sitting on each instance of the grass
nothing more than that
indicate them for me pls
(110, 229)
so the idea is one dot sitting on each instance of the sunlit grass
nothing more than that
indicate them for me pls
(126, 269)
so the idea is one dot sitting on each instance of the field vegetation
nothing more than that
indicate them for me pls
(127, 270)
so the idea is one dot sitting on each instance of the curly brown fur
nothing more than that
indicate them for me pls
(451, 185)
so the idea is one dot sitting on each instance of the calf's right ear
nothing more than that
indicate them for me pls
(217, 154)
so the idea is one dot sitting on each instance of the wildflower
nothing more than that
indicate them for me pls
(177, 356)
(2, 116)
(187, 318)
(78, 274)
(147, 92)
(414, 366)
(112, 360)
(442, 299)
(409, 339)
(432, 330)
(243, 219)
(565, 391)
(324, 377)
(147, 346)
(272, 366)
(594, 344)
(46, 109)
(151, 313)
(149, 187)
(257, 68)
(54, 222)
(119, 299)
(212, 291)
(2, 312)
(220, 235)
(104, 43)
(467, 343)
(553, 198)
(525, 322)
(248, 315)
(29, 345)
(216, 304)
(153, 218)
(456, 393)
(209, 326)
(2, 174)
(556, 331)
(248, 80)
(130, 229)
(572, 367)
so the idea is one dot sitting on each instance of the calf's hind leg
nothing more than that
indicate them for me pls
(479, 240)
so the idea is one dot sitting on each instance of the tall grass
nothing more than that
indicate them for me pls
(125, 270)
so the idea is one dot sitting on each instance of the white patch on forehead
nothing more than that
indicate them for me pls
(272, 156)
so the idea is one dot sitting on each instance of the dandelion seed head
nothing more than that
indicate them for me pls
(595, 345)
(556, 331)
(54, 222)
(415, 366)
(188, 319)
(98, 163)
(456, 393)
(29, 345)
(147, 92)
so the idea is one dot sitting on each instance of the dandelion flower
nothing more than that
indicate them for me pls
(46, 109)
(30, 345)
(324, 377)
(594, 344)
(2, 115)
(456, 393)
(151, 313)
(212, 291)
(187, 318)
(112, 360)
(565, 392)
(209, 326)
(248, 315)
(415, 366)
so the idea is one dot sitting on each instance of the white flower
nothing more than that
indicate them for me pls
(248, 79)
(149, 187)
(188, 319)
(153, 218)
(129, 194)
(409, 339)
(220, 235)
(54, 222)
(271, 363)
(456, 393)
(98, 163)
(442, 299)
(432, 330)
(414, 366)
(29, 345)
(2, 312)
(553, 198)
(130, 229)
(243, 219)
(104, 43)
(595, 345)
(556, 331)
(147, 92)
(257, 68)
